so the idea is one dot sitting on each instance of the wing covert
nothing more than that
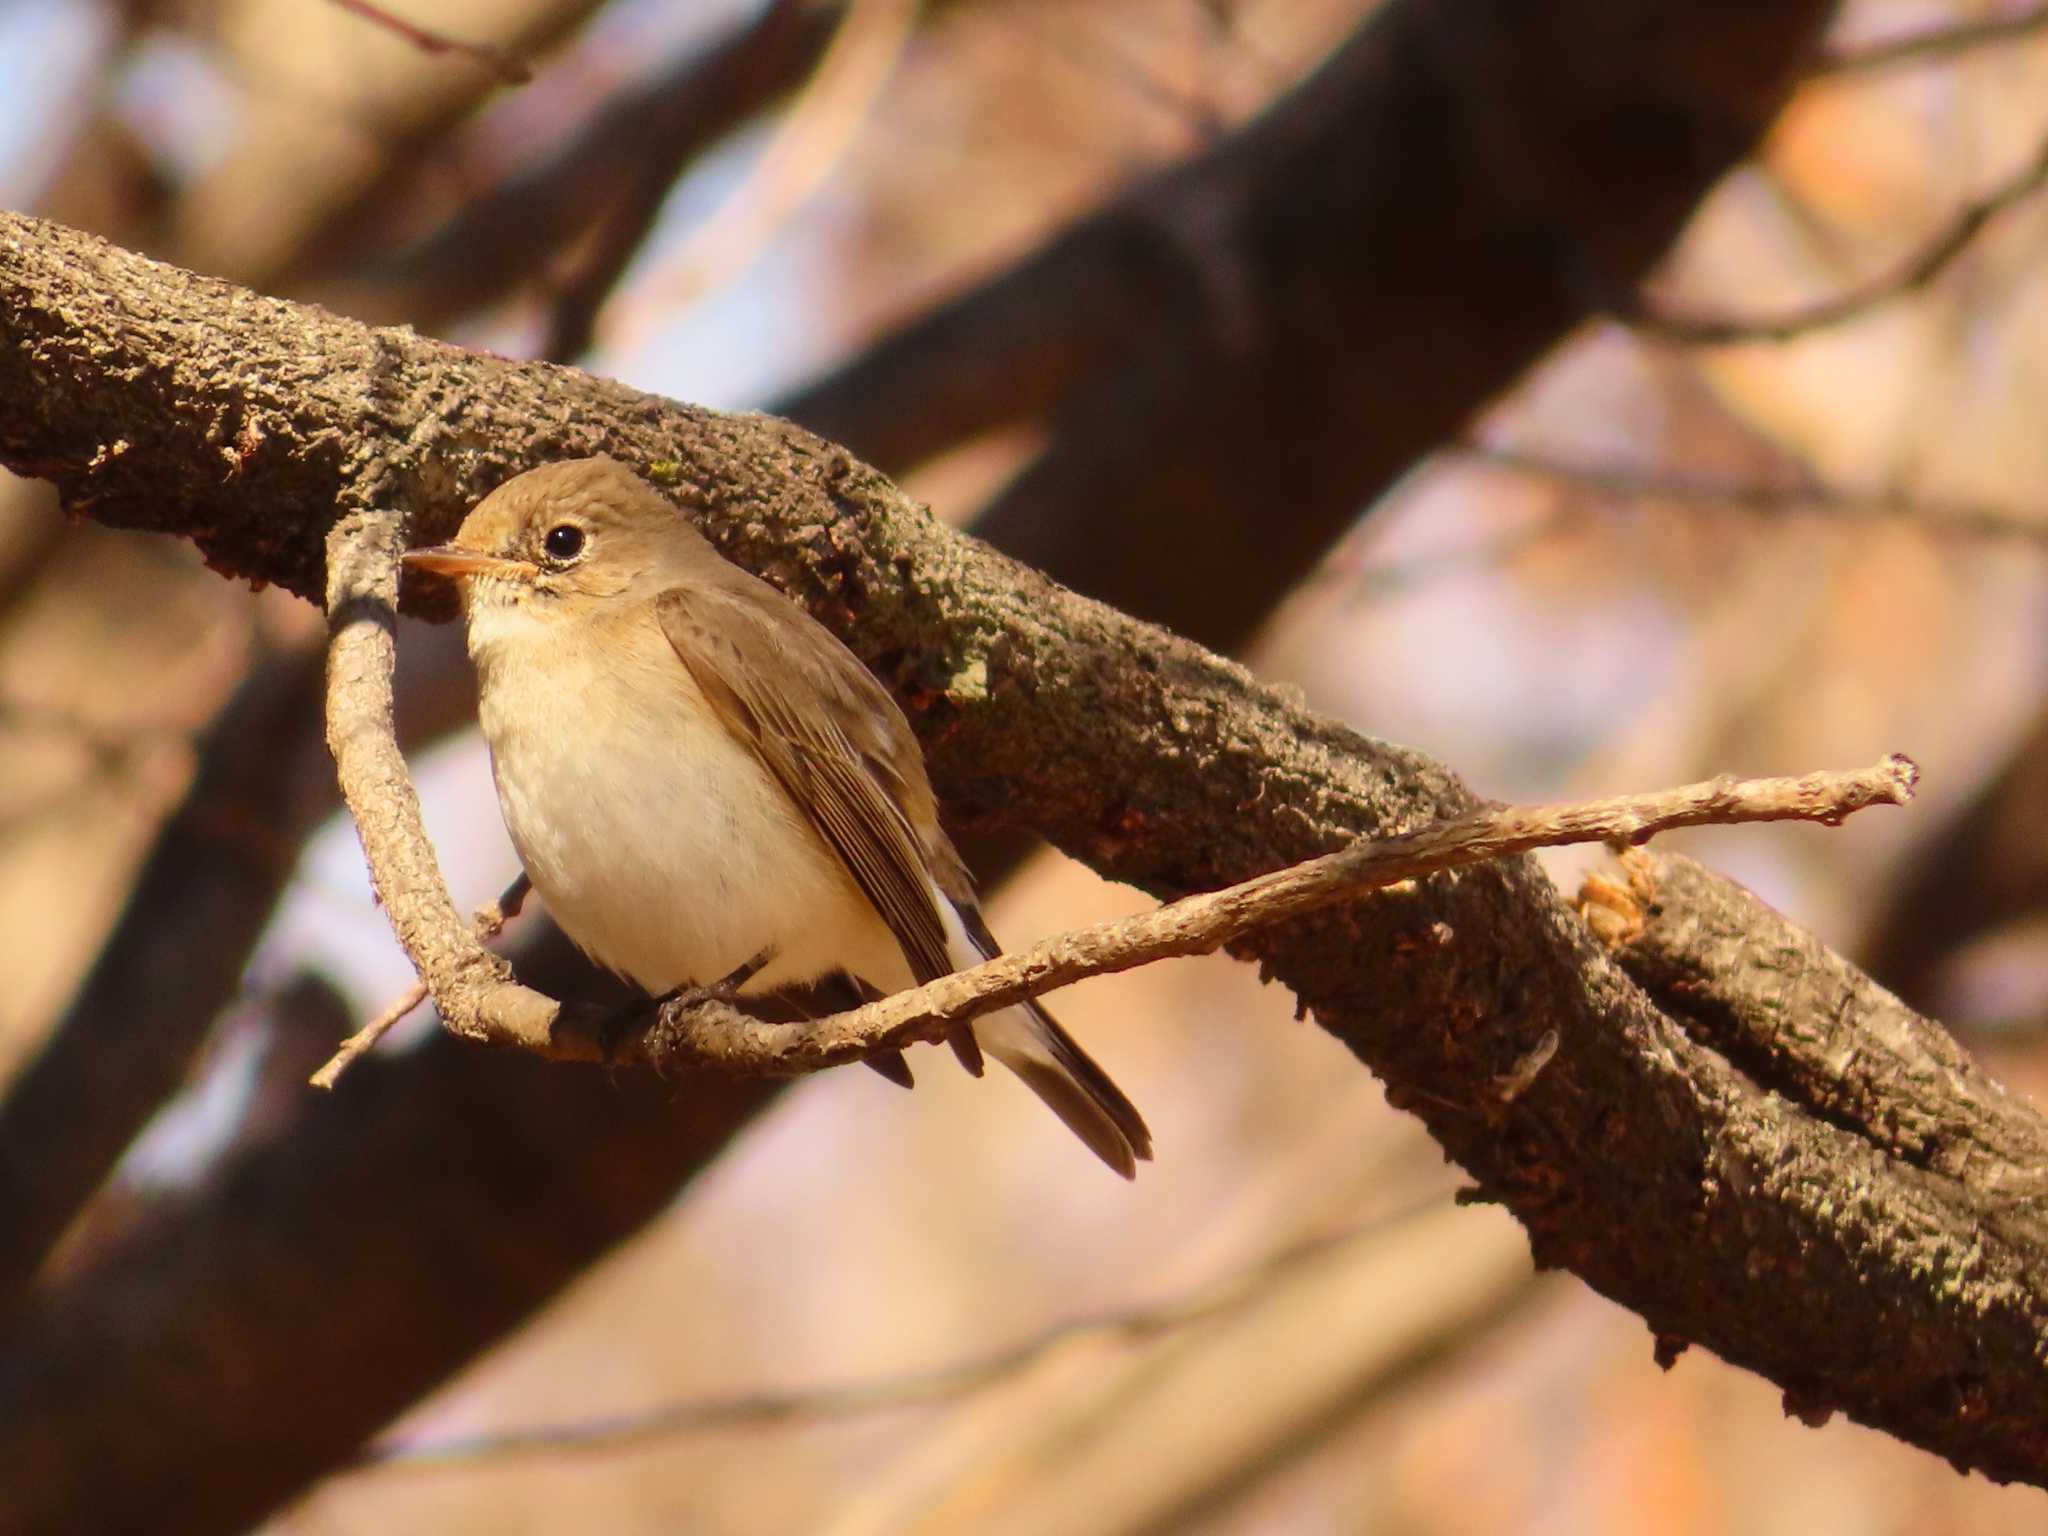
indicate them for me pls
(726, 643)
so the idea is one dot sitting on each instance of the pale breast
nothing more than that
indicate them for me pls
(657, 840)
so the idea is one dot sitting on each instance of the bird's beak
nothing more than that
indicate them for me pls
(453, 560)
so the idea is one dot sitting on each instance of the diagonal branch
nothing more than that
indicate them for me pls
(506, 64)
(692, 1035)
(477, 998)
(1937, 45)
(1933, 257)
(1803, 1020)
(1639, 1156)
(1131, 1325)
(1941, 519)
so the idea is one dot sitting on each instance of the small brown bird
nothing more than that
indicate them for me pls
(696, 773)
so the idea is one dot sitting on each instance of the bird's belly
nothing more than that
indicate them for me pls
(671, 855)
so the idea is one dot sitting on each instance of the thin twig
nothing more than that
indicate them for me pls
(737, 70)
(471, 986)
(903, 1390)
(487, 923)
(505, 63)
(1935, 45)
(1956, 519)
(813, 137)
(689, 1033)
(1916, 272)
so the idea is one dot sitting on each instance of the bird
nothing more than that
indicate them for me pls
(704, 784)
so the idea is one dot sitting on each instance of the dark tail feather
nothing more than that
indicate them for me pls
(890, 1064)
(1052, 1064)
(967, 1048)
(1030, 1042)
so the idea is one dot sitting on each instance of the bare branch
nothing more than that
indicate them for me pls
(486, 923)
(508, 65)
(713, 92)
(812, 137)
(477, 998)
(688, 1034)
(472, 987)
(1942, 519)
(1132, 1325)
(1914, 273)
(1937, 45)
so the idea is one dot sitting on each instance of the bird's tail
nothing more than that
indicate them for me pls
(1028, 1041)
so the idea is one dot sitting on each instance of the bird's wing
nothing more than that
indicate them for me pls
(838, 750)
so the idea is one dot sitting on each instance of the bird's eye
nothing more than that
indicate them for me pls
(564, 541)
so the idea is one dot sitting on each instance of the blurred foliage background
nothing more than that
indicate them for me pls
(1648, 562)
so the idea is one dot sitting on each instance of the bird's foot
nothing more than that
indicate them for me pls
(724, 990)
(631, 1018)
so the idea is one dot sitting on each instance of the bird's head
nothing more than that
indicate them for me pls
(561, 537)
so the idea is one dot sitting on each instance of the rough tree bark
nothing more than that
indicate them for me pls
(1745, 1213)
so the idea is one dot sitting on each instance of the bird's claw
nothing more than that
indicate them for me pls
(725, 990)
(633, 1017)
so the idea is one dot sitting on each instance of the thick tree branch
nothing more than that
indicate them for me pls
(1639, 1156)
(1800, 1019)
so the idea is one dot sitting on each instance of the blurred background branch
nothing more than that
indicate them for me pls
(1923, 266)
(1131, 1327)
(1938, 44)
